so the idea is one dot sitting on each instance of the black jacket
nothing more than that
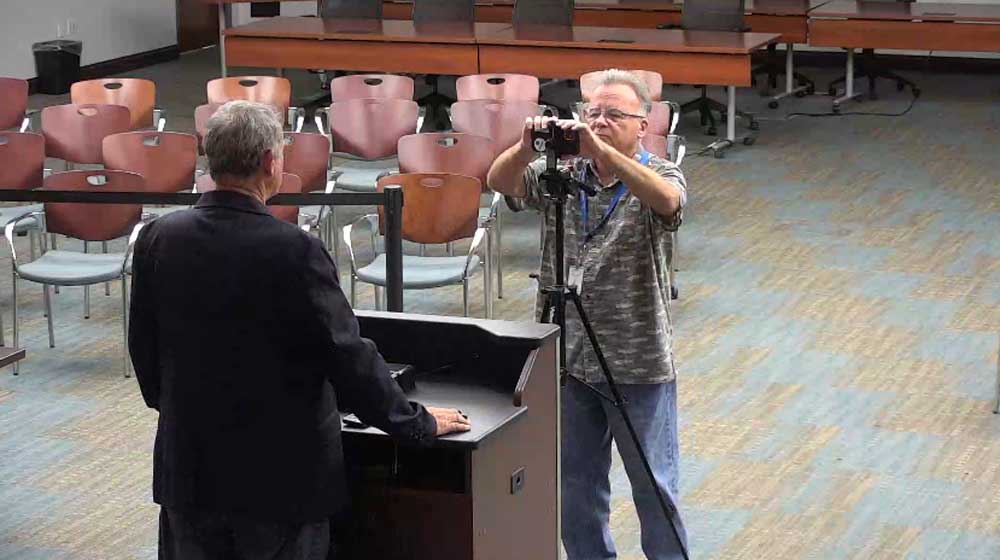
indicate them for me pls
(243, 341)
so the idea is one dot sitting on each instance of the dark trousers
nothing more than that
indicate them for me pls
(207, 536)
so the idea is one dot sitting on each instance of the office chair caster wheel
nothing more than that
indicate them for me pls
(719, 154)
(754, 125)
(674, 292)
(711, 131)
(749, 140)
(836, 109)
(773, 105)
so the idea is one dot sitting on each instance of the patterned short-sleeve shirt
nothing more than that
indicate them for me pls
(625, 287)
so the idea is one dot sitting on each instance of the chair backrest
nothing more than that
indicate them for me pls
(22, 160)
(307, 155)
(371, 128)
(654, 82)
(138, 95)
(166, 160)
(512, 87)
(269, 90)
(500, 121)
(75, 132)
(362, 9)
(290, 183)
(713, 15)
(444, 10)
(670, 147)
(201, 115)
(440, 207)
(93, 222)
(446, 152)
(14, 93)
(543, 12)
(661, 118)
(375, 86)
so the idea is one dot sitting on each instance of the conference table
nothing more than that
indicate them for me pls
(789, 18)
(902, 25)
(682, 57)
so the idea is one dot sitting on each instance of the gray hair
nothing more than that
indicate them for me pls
(239, 133)
(615, 76)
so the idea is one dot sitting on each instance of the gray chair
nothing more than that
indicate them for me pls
(543, 12)
(88, 222)
(361, 9)
(426, 11)
(713, 15)
(440, 208)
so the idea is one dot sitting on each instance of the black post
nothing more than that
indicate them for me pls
(394, 247)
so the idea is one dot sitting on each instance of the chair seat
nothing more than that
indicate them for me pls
(160, 211)
(9, 213)
(72, 268)
(361, 175)
(421, 272)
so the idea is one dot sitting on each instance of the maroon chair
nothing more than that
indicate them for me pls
(365, 133)
(88, 222)
(371, 86)
(14, 108)
(507, 87)
(500, 121)
(166, 160)
(290, 184)
(201, 115)
(74, 133)
(307, 154)
(22, 160)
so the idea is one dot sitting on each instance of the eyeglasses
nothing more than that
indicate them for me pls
(592, 113)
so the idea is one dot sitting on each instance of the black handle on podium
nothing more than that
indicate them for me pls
(394, 247)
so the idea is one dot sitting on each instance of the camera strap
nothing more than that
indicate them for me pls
(619, 193)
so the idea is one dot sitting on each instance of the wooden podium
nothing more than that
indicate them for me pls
(490, 493)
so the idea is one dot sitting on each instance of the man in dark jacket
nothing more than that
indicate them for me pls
(243, 341)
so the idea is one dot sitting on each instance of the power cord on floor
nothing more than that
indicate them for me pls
(913, 100)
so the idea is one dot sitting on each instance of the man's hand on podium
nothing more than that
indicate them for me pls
(449, 420)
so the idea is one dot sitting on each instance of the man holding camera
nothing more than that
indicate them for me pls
(617, 255)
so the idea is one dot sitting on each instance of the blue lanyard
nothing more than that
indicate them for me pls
(619, 193)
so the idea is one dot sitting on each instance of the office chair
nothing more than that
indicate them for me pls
(713, 15)
(438, 11)
(772, 66)
(868, 66)
(361, 9)
(543, 12)
(427, 11)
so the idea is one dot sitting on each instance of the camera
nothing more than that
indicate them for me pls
(562, 142)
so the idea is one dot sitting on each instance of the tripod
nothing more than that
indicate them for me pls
(558, 188)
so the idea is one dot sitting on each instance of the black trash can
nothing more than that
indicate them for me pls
(57, 64)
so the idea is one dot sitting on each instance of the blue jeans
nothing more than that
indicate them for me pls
(589, 422)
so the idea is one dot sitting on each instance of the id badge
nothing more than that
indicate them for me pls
(575, 278)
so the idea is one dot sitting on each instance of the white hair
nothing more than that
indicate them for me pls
(239, 134)
(615, 76)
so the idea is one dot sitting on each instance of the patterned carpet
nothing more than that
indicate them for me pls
(837, 339)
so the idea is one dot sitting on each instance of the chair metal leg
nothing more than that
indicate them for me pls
(465, 297)
(126, 362)
(2, 341)
(498, 247)
(487, 294)
(451, 248)
(107, 285)
(47, 298)
(13, 305)
(86, 289)
(31, 243)
(354, 291)
(55, 246)
(378, 298)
